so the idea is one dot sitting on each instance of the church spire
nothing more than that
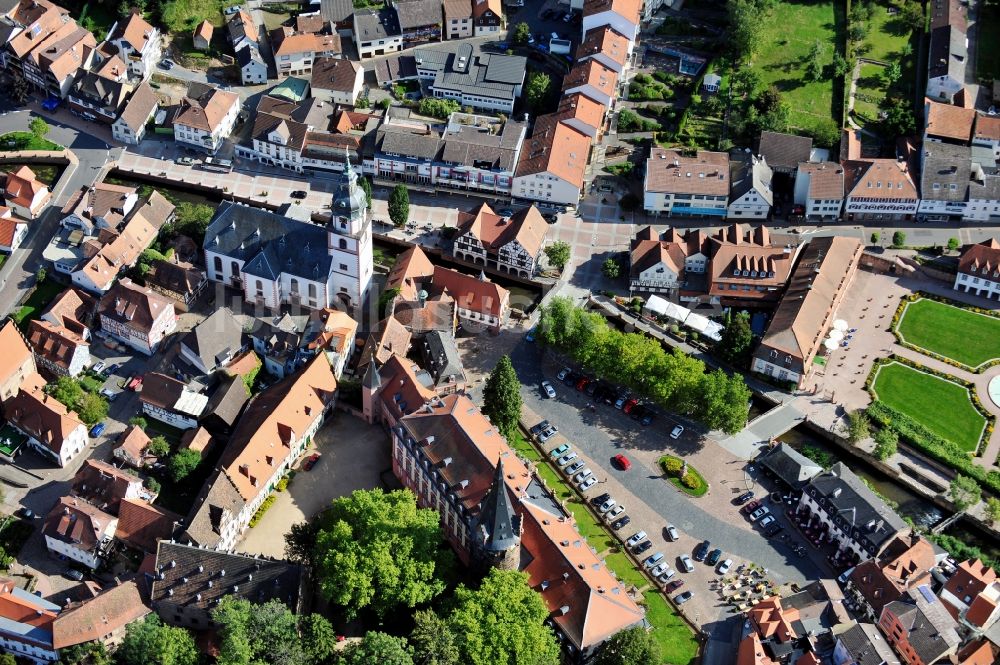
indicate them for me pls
(498, 524)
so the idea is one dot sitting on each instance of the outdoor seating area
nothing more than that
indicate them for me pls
(819, 535)
(746, 588)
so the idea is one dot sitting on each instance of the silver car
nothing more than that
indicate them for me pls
(588, 483)
(582, 476)
(566, 459)
(635, 538)
(607, 505)
(574, 467)
(686, 563)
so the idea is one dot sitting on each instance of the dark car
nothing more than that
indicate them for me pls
(550, 218)
(598, 500)
(674, 586)
(638, 412)
(299, 194)
(750, 507)
(682, 598)
(539, 427)
(713, 557)
(311, 462)
(773, 529)
(599, 393)
(620, 522)
(642, 547)
(571, 379)
(591, 388)
(742, 498)
(647, 419)
(701, 551)
(74, 574)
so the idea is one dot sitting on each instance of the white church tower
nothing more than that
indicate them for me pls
(349, 242)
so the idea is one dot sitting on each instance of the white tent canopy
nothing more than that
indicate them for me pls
(704, 325)
(840, 325)
(656, 305)
(682, 315)
(830, 345)
(836, 335)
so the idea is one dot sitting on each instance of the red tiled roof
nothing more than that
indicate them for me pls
(985, 254)
(141, 524)
(472, 293)
(93, 619)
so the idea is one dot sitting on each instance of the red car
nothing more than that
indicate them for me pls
(674, 586)
(750, 507)
(629, 405)
(623, 462)
(311, 462)
(581, 385)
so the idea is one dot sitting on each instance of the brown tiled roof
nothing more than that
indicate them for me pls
(402, 392)
(141, 525)
(54, 343)
(648, 253)
(985, 254)
(391, 337)
(132, 305)
(135, 30)
(309, 23)
(133, 442)
(113, 68)
(555, 148)
(77, 522)
(629, 9)
(334, 74)
(480, 7)
(979, 652)
(904, 563)
(457, 9)
(243, 364)
(16, 351)
(594, 74)
(604, 40)
(41, 19)
(494, 231)
(950, 122)
(139, 106)
(22, 186)
(93, 619)
(262, 438)
(472, 293)
(581, 107)
(241, 25)
(181, 278)
(206, 112)
(980, 611)
(673, 172)
(198, 440)
(205, 30)
(765, 258)
(826, 179)
(8, 228)
(42, 417)
(305, 43)
(875, 177)
(161, 390)
(987, 127)
(411, 268)
(970, 578)
(751, 652)
(437, 313)
(103, 485)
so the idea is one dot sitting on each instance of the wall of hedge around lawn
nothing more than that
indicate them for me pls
(922, 295)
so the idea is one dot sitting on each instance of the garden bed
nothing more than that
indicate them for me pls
(692, 484)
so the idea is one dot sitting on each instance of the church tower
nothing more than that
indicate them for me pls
(370, 385)
(496, 533)
(349, 242)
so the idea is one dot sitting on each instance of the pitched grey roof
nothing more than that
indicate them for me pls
(791, 466)
(441, 359)
(947, 166)
(371, 25)
(857, 510)
(336, 11)
(227, 402)
(784, 151)
(249, 53)
(948, 53)
(460, 68)
(866, 646)
(216, 338)
(268, 243)
(399, 141)
(372, 380)
(418, 13)
(106, 94)
(497, 526)
(989, 189)
(747, 173)
(928, 626)
(217, 502)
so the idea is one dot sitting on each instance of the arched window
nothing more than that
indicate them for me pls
(343, 244)
(236, 269)
(295, 285)
(218, 266)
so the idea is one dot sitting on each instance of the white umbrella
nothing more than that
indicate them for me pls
(840, 325)
(830, 345)
(836, 335)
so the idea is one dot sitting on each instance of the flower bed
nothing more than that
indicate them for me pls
(692, 483)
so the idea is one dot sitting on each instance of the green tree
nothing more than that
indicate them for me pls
(993, 509)
(964, 492)
(40, 274)
(886, 443)
(88, 653)
(399, 205)
(318, 639)
(379, 648)
(746, 82)
(432, 641)
(858, 426)
(724, 403)
(814, 66)
(502, 398)
(899, 120)
(558, 254)
(737, 339)
(92, 409)
(912, 15)
(300, 542)
(38, 127)
(158, 447)
(898, 239)
(182, 463)
(611, 268)
(746, 27)
(953, 244)
(825, 133)
(537, 90)
(875, 237)
(841, 67)
(67, 391)
(377, 550)
(632, 646)
(149, 642)
(19, 90)
(152, 484)
(138, 421)
(7, 659)
(366, 186)
(252, 633)
(891, 74)
(521, 33)
(438, 108)
(503, 621)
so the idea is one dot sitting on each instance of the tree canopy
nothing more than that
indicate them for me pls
(964, 492)
(377, 550)
(182, 463)
(432, 641)
(376, 648)
(536, 90)
(149, 642)
(886, 443)
(502, 397)
(558, 254)
(399, 205)
(737, 339)
(632, 646)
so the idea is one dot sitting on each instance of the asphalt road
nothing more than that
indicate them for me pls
(18, 274)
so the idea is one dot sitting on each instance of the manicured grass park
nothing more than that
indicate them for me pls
(26, 141)
(677, 645)
(942, 406)
(960, 334)
(788, 38)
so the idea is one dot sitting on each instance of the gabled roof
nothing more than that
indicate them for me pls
(206, 111)
(53, 343)
(78, 523)
(337, 74)
(494, 231)
(604, 41)
(628, 9)
(593, 74)
(949, 121)
(216, 338)
(471, 293)
(22, 186)
(308, 43)
(826, 180)
(132, 306)
(987, 127)
(102, 615)
(879, 178)
(457, 9)
(750, 174)
(134, 31)
(142, 525)
(417, 13)
(788, 464)
(581, 108)
(983, 255)
(43, 418)
(139, 107)
(241, 26)
(133, 443)
(555, 148)
(391, 337)
(104, 485)
(72, 309)
(182, 278)
(25, 616)
(205, 30)
(16, 351)
(784, 150)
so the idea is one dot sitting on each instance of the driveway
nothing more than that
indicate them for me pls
(354, 454)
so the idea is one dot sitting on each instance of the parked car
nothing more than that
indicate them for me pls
(607, 505)
(622, 462)
(676, 432)
(547, 433)
(701, 551)
(635, 538)
(773, 530)
(686, 564)
(74, 575)
(673, 586)
(110, 394)
(582, 476)
(757, 514)
(99, 366)
(766, 521)
(559, 451)
(299, 194)
(750, 507)
(566, 459)
(539, 427)
(682, 598)
(620, 400)
(658, 569)
(743, 498)
(667, 573)
(97, 430)
(581, 385)
(588, 483)
(652, 560)
(574, 467)
(614, 512)
(642, 547)
(725, 566)
(530, 337)
(629, 405)
(571, 379)
(647, 418)
(310, 462)
(549, 390)
(672, 534)
(620, 522)
(601, 498)
(713, 557)
(563, 372)
(567, 17)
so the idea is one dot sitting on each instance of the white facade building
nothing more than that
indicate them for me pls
(750, 195)
(206, 121)
(819, 188)
(138, 45)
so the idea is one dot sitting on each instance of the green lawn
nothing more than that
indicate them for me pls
(988, 57)
(37, 302)
(870, 92)
(677, 644)
(625, 570)
(888, 35)
(942, 406)
(954, 332)
(789, 35)
(26, 141)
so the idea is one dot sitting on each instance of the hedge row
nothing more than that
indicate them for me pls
(268, 502)
(984, 438)
(932, 445)
(921, 295)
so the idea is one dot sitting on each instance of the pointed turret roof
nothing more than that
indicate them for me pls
(498, 524)
(372, 380)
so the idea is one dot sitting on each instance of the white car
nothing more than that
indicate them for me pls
(574, 467)
(635, 538)
(566, 459)
(588, 483)
(725, 566)
(549, 390)
(607, 505)
(672, 532)
(562, 373)
(547, 433)
(686, 563)
(767, 519)
(676, 432)
(110, 394)
(757, 514)
(614, 512)
(100, 365)
(658, 570)
(582, 476)
(665, 576)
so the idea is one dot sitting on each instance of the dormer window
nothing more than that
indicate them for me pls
(736, 273)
